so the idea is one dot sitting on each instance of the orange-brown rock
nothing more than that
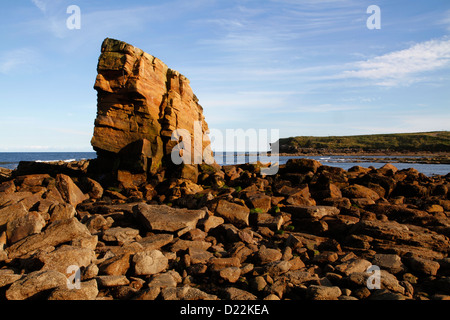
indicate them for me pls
(140, 102)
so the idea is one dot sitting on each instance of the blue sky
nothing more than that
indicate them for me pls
(307, 67)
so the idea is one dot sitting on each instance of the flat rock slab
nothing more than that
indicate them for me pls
(121, 235)
(165, 280)
(232, 293)
(65, 256)
(112, 281)
(156, 241)
(88, 291)
(12, 212)
(7, 276)
(311, 211)
(165, 218)
(34, 283)
(353, 265)
(58, 232)
(316, 292)
(185, 293)
(24, 226)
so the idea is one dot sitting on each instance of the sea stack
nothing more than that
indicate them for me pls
(140, 103)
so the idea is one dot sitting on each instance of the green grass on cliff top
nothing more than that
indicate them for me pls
(421, 141)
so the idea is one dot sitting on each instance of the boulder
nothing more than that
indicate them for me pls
(7, 276)
(385, 280)
(12, 212)
(233, 212)
(34, 283)
(302, 165)
(120, 235)
(115, 266)
(24, 226)
(403, 238)
(185, 293)
(70, 168)
(327, 191)
(230, 274)
(58, 232)
(165, 218)
(422, 265)
(62, 211)
(88, 291)
(156, 241)
(69, 190)
(180, 244)
(259, 200)
(65, 256)
(5, 174)
(32, 180)
(317, 292)
(267, 255)
(317, 212)
(8, 187)
(220, 263)
(91, 187)
(112, 281)
(199, 255)
(149, 262)
(232, 293)
(211, 222)
(164, 280)
(353, 265)
(390, 262)
(358, 191)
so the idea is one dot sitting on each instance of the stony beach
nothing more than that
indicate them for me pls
(133, 225)
(309, 232)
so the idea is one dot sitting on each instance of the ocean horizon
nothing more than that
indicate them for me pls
(10, 160)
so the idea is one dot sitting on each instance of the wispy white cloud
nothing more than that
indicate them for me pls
(445, 21)
(40, 4)
(222, 22)
(18, 59)
(404, 66)
(271, 29)
(319, 108)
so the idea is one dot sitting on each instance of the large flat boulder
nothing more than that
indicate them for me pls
(58, 232)
(317, 212)
(165, 218)
(34, 283)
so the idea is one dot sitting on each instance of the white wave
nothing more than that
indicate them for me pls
(48, 161)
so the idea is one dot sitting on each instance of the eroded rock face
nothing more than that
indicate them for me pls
(140, 103)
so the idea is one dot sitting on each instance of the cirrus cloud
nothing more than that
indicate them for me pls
(402, 66)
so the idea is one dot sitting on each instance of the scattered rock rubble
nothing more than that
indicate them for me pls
(309, 232)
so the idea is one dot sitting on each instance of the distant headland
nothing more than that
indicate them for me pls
(420, 143)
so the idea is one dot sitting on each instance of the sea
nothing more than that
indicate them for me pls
(11, 160)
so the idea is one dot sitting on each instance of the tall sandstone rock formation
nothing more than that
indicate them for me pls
(140, 102)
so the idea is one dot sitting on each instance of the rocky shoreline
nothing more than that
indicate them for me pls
(383, 157)
(310, 232)
(140, 222)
